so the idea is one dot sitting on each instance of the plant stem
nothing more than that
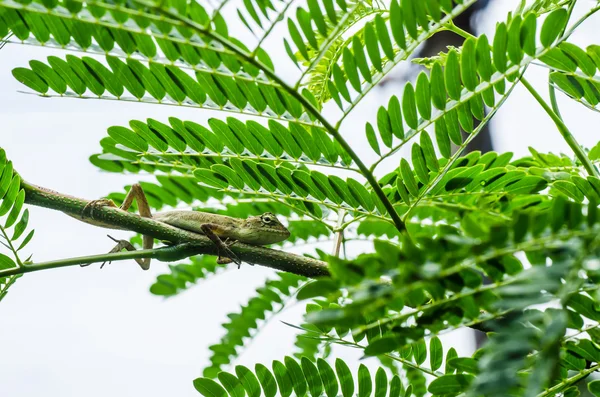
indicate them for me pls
(564, 131)
(167, 254)
(115, 218)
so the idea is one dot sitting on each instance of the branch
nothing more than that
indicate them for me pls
(188, 243)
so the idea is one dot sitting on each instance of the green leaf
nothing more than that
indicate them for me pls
(372, 46)
(267, 380)
(350, 69)
(436, 353)
(584, 62)
(500, 47)
(515, 53)
(569, 189)
(450, 384)
(418, 159)
(360, 58)
(248, 380)
(49, 76)
(365, 384)
(16, 209)
(594, 387)
(396, 117)
(328, 378)
(6, 262)
(315, 386)
(584, 305)
(384, 126)
(409, 106)
(419, 352)
(381, 383)
(283, 379)
(438, 90)
(21, 225)
(372, 139)
(464, 364)
(384, 37)
(209, 388)
(395, 387)
(408, 178)
(30, 79)
(297, 39)
(468, 67)
(452, 75)
(397, 24)
(318, 288)
(128, 138)
(232, 384)
(553, 25)
(423, 96)
(345, 378)
(296, 375)
(382, 345)
(449, 356)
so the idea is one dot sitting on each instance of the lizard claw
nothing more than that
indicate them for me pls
(88, 210)
(121, 244)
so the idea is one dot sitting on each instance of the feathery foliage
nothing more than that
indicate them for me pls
(14, 220)
(447, 239)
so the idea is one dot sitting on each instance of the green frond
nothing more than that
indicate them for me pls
(171, 191)
(459, 87)
(270, 299)
(437, 285)
(157, 82)
(185, 145)
(132, 28)
(576, 72)
(308, 190)
(14, 219)
(366, 57)
(301, 377)
(321, 59)
(184, 275)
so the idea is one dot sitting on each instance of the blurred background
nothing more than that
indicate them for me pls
(84, 331)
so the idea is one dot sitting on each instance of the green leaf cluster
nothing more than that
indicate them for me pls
(508, 246)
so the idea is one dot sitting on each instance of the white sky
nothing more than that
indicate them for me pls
(74, 332)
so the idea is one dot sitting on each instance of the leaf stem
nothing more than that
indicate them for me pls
(170, 254)
(564, 130)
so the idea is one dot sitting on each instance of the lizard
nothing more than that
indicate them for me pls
(255, 230)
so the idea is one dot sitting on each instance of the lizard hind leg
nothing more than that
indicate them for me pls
(208, 229)
(224, 260)
(135, 193)
(221, 260)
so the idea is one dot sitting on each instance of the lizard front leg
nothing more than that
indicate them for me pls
(209, 230)
(135, 193)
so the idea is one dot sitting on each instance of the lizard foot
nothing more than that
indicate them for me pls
(231, 257)
(228, 257)
(88, 210)
(121, 244)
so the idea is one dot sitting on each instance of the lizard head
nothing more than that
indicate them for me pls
(264, 229)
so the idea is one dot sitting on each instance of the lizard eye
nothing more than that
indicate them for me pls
(267, 219)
